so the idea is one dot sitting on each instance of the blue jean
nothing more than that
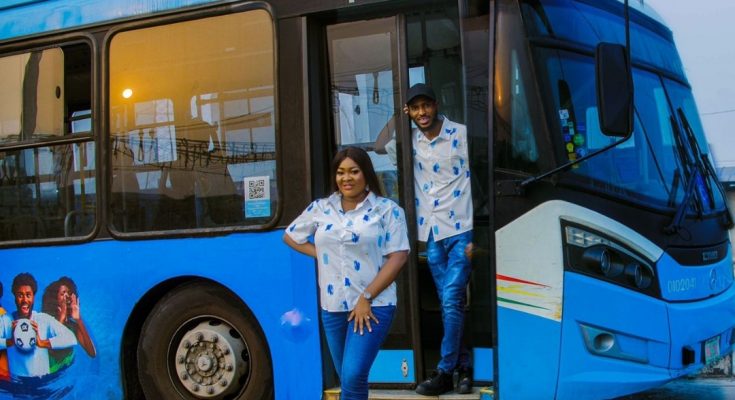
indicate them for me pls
(353, 354)
(451, 269)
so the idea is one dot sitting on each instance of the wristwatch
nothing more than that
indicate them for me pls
(367, 296)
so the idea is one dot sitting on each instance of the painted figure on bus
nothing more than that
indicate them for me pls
(361, 244)
(444, 219)
(29, 335)
(4, 372)
(61, 301)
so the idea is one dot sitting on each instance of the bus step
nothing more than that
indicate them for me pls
(485, 393)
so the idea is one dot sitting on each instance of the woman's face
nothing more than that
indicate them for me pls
(350, 179)
(63, 296)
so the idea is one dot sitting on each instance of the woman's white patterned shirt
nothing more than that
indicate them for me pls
(351, 246)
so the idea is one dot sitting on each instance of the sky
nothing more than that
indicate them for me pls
(704, 32)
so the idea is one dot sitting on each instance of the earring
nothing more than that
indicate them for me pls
(367, 188)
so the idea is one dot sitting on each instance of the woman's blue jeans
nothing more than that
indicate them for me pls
(353, 354)
(451, 269)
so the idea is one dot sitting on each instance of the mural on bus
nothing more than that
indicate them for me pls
(42, 334)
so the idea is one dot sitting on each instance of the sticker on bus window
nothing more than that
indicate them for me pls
(257, 197)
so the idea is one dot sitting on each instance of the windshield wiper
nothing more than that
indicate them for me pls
(698, 172)
(709, 171)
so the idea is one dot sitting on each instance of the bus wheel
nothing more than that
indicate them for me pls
(196, 344)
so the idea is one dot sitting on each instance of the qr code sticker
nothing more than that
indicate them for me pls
(256, 189)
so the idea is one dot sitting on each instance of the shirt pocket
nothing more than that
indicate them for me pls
(363, 233)
(449, 167)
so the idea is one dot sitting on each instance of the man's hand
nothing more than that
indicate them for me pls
(10, 342)
(44, 344)
(468, 250)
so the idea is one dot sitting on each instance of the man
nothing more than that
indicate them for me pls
(49, 333)
(444, 217)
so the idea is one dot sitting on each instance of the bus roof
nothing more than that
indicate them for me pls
(646, 9)
(40, 16)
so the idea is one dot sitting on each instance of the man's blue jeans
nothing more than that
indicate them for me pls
(451, 269)
(353, 354)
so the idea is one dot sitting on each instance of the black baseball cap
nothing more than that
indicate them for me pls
(420, 89)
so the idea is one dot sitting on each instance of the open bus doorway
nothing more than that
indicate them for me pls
(370, 63)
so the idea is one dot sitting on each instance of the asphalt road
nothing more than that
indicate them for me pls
(690, 389)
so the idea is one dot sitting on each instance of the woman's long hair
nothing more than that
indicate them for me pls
(50, 297)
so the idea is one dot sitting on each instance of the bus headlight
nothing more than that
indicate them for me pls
(640, 276)
(602, 257)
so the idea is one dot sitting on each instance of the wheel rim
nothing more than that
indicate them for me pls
(210, 359)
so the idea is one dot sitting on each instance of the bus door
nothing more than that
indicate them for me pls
(365, 98)
(370, 64)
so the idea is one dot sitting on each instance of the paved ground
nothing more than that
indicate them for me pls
(681, 389)
(690, 389)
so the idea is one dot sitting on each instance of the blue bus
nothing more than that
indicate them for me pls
(151, 153)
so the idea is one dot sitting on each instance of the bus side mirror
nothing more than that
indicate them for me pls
(614, 90)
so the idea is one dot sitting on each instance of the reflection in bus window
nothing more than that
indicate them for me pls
(32, 87)
(364, 84)
(523, 143)
(193, 133)
(47, 190)
(518, 135)
(645, 166)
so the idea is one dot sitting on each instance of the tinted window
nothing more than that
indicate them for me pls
(518, 126)
(579, 22)
(47, 188)
(192, 124)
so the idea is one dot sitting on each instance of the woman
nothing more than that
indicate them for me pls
(60, 300)
(360, 244)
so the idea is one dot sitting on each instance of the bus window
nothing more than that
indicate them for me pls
(364, 90)
(517, 135)
(193, 132)
(47, 189)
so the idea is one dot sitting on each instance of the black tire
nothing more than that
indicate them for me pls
(194, 340)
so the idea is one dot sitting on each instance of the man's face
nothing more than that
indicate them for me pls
(24, 301)
(422, 111)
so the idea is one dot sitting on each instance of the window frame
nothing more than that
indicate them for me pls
(197, 13)
(49, 42)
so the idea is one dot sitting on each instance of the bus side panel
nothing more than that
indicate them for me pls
(528, 355)
(278, 285)
(592, 364)
(529, 284)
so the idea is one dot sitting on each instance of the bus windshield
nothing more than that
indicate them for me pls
(664, 162)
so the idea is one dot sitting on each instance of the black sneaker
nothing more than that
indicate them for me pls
(438, 383)
(464, 381)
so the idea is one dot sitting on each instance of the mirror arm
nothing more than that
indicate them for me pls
(517, 187)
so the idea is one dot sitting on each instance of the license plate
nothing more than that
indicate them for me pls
(712, 350)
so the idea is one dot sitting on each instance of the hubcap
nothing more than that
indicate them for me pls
(208, 360)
